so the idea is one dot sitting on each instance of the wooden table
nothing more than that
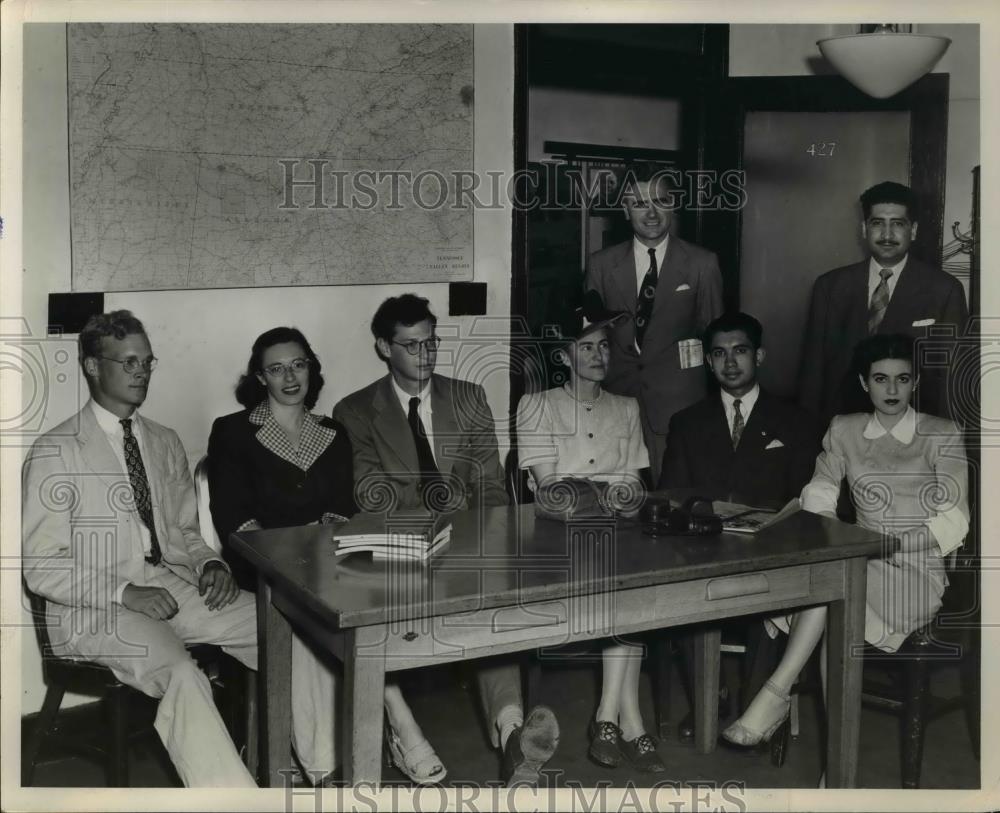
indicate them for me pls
(507, 582)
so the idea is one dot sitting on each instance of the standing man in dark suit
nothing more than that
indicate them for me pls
(672, 289)
(430, 440)
(741, 445)
(890, 292)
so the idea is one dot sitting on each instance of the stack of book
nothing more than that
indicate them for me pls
(410, 535)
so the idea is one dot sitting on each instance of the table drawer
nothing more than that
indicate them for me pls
(598, 615)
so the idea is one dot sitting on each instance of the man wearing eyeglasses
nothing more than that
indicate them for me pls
(111, 541)
(431, 439)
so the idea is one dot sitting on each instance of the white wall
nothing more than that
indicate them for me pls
(203, 338)
(788, 50)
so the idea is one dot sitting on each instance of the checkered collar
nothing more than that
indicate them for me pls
(313, 441)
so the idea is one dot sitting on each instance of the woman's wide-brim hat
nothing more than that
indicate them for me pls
(590, 317)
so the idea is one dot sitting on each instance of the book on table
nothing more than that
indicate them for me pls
(401, 535)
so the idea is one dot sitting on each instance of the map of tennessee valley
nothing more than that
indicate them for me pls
(184, 138)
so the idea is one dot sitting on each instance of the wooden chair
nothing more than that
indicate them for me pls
(908, 694)
(63, 675)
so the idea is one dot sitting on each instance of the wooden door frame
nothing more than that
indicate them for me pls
(722, 138)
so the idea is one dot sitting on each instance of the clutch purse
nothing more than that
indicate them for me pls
(572, 498)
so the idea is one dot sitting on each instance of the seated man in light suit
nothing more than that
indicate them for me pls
(151, 584)
(431, 438)
(740, 444)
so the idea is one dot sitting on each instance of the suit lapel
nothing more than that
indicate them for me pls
(716, 429)
(757, 433)
(391, 426)
(446, 429)
(96, 451)
(154, 461)
(673, 273)
(858, 301)
(902, 304)
(624, 277)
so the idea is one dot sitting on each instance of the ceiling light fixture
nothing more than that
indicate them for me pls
(883, 59)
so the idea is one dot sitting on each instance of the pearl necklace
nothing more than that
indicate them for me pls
(588, 405)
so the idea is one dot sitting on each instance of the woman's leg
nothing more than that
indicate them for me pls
(411, 752)
(628, 698)
(614, 664)
(400, 717)
(806, 630)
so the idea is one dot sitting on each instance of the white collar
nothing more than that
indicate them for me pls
(109, 422)
(874, 266)
(641, 248)
(903, 431)
(404, 397)
(746, 401)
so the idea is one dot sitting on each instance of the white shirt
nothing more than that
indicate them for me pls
(746, 406)
(112, 428)
(874, 277)
(425, 409)
(109, 423)
(641, 254)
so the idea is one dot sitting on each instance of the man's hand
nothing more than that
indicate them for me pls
(156, 602)
(220, 585)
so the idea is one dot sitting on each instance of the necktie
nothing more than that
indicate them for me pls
(644, 305)
(140, 489)
(880, 300)
(737, 422)
(429, 471)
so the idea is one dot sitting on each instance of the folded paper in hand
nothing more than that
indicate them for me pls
(403, 535)
(746, 520)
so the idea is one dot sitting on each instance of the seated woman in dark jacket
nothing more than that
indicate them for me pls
(275, 464)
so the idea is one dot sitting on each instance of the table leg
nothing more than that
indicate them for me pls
(364, 687)
(706, 688)
(846, 630)
(274, 646)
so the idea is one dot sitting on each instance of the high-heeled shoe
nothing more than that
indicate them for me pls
(743, 738)
(418, 762)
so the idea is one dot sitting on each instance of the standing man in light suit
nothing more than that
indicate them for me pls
(890, 292)
(111, 541)
(672, 289)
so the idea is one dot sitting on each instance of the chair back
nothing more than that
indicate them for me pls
(516, 480)
(205, 525)
(36, 606)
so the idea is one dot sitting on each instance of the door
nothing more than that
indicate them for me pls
(804, 172)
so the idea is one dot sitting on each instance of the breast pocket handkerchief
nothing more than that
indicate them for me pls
(774, 444)
(924, 322)
(682, 287)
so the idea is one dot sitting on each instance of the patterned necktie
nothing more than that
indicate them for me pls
(737, 422)
(429, 472)
(880, 300)
(140, 489)
(644, 305)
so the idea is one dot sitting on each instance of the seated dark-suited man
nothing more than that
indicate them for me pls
(741, 444)
(430, 440)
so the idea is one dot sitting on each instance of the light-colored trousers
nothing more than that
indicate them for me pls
(499, 687)
(150, 656)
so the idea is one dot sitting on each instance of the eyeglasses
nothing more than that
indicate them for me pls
(132, 364)
(279, 369)
(415, 345)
